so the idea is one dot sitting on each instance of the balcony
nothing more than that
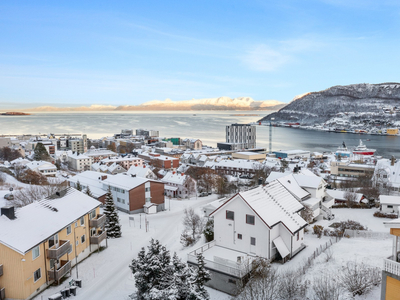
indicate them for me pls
(98, 238)
(2, 294)
(1, 270)
(64, 247)
(391, 266)
(224, 260)
(60, 272)
(98, 221)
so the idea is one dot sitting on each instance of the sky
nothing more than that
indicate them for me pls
(70, 53)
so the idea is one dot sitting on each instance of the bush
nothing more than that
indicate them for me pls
(187, 240)
(326, 288)
(33, 177)
(359, 278)
(209, 230)
(379, 214)
(349, 224)
(318, 230)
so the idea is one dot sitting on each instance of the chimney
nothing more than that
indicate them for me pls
(182, 174)
(104, 177)
(392, 161)
(8, 211)
(173, 172)
(144, 166)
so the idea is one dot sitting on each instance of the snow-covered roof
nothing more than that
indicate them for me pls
(20, 160)
(78, 156)
(290, 183)
(124, 181)
(274, 205)
(340, 195)
(43, 165)
(140, 171)
(311, 202)
(120, 159)
(91, 179)
(173, 177)
(389, 200)
(40, 220)
(308, 181)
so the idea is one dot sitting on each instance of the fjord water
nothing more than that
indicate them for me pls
(209, 126)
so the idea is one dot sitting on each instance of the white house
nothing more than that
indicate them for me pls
(387, 175)
(43, 167)
(142, 171)
(308, 188)
(79, 162)
(389, 204)
(179, 185)
(262, 222)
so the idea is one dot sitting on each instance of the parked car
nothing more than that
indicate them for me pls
(203, 194)
(9, 197)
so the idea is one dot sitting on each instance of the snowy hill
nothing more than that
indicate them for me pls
(369, 101)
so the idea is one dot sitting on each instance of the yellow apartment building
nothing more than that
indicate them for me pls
(42, 241)
(392, 131)
(391, 267)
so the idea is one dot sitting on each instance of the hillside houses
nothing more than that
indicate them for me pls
(43, 167)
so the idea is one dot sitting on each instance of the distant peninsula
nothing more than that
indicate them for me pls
(14, 113)
(221, 103)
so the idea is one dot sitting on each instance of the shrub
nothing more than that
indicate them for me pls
(359, 278)
(379, 214)
(318, 230)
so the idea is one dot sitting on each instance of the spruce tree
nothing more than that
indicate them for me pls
(78, 186)
(201, 276)
(41, 153)
(112, 220)
(89, 192)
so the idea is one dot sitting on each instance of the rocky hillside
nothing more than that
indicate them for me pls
(360, 101)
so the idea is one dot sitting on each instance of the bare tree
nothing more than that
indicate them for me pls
(18, 170)
(359, 278)
(307, 214)
(2, 178)
(351, 198)
(34, 193)
(292, 285)
(262, 284)
(261, 171)
(194, 226)
(191, 186)
(326, 287)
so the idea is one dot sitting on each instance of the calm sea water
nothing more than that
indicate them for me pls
(207, 126)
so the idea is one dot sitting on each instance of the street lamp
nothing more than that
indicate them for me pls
(76, 256)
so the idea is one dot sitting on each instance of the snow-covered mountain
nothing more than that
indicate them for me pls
(221, 103)
(368, 101)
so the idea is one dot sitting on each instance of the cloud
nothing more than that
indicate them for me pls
(264, 58)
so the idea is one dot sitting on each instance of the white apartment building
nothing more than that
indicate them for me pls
(243, 134)
(79, 162)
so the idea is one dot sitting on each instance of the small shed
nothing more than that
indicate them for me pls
(389, 204)
(150, 208)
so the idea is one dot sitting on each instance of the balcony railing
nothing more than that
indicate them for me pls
(63, 248)
(59, 273)
(2, 294)
(1, 270)
(97, 239)
(220, 264)
(391, 266)
(98, 221)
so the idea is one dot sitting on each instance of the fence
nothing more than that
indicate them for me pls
(367, 234)
(322, 248)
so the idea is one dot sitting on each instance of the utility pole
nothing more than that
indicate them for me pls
(270, 135)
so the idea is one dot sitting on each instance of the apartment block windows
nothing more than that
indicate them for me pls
(230, 215)
(253, 241)
(93, 214)
(83, 239)
(35, 252)
(250, 219)
(82, 221)
(37, 275)
(53, 240)
(68, 229)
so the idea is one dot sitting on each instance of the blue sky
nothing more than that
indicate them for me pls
(68, 53)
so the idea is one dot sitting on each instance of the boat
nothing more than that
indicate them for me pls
(342, 151)
(361, 149)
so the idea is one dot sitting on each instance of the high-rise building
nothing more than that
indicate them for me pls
(242, 134)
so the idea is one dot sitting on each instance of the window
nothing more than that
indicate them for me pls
(37, 275)
(230, 215)
(298, 235)
(53, 240)
(77, 242)
(52, 263)
(83, 238)
(239, 236)
(76, 224)
(250, 219)
(253, 241)
(68, 229)
(93, 214)
(82, 221)
(147, 189)
(35, 252)
(390, 206)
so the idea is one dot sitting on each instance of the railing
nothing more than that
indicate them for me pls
(3, 294)
(63, 248)
(98, 221)
(1, 270)
(97, 239)
(220, 264)
(59, 273)
(367, 234)
(391, 266)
